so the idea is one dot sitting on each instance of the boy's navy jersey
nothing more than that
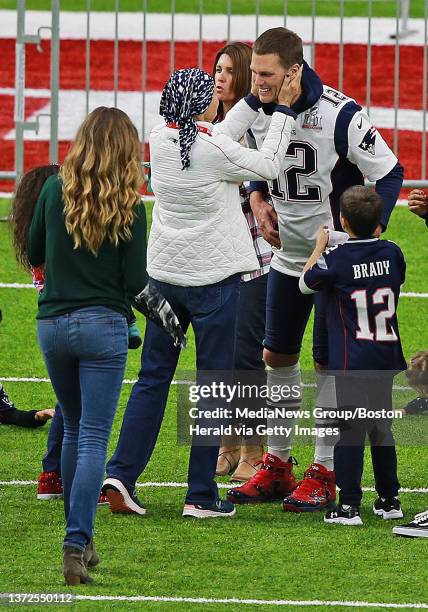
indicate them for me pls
(362, 279)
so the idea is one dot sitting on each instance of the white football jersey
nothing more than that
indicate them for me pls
(332, 148)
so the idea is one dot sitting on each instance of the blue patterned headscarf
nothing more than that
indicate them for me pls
(188, 92)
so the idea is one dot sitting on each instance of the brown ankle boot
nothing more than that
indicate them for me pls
(90, 556)
(249, 464)
(228, 458)
(74, 569)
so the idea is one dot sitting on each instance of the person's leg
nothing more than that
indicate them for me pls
(384, 456)
(250, 367)
(146, 406)
(213, 316)
(99, 337)
(287, 313)
(349, 450)
(63, 369)
(51, 461)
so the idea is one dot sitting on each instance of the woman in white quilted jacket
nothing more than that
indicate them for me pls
(198, 247)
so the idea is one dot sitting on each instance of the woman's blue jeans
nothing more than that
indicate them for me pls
(85, 354)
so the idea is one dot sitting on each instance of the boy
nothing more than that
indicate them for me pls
(362, 279)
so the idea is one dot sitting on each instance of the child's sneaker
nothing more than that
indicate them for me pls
(49, 486)
(344, 515)
(317, 491)
(388, 508)
(419, 405)
(134, 336)
(418, 528)
(219, 509)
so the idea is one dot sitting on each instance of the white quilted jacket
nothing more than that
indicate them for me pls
(199, 235)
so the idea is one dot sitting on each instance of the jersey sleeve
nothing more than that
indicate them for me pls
(367, 149)
(319, 277)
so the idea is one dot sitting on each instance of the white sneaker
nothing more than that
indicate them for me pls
(418, 528)
(120, 501)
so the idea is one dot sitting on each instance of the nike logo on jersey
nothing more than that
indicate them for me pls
(360, 123)
(374, 268)
(369, 141)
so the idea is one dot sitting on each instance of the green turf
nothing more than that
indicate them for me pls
(261, 553)
(352, 8)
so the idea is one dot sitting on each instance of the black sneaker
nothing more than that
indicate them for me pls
(388, 508)
(419, 405)
(219, 509)
(418, 528)
(344, 515)
(119, 498)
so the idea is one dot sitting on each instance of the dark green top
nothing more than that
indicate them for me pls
(75, 278)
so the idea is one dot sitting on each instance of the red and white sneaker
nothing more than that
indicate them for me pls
(317, 491)
(49, 486)
(273, 481)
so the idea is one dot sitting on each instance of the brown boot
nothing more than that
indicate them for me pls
(249, 464)
(90, 556)
(74, 569)
(228, 458)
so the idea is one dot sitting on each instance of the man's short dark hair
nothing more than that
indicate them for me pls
(284, 43)
(362, 208)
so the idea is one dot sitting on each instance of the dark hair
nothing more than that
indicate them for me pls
(362, 208)
(240, 54)
(417, 372)
(23, 205)
(284, 43)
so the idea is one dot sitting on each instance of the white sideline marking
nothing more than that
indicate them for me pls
(72, 111)
(256, 602)
(409, 294)
(183, 485)
(214, 27)
(245, 602)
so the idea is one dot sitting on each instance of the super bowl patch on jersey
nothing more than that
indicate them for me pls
(312, 120)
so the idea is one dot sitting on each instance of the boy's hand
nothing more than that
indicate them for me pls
(418, 203)
(44, 415)
(322, 239)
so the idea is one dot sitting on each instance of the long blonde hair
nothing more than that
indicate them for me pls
(101, 177)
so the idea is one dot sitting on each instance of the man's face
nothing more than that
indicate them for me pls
(268, 75)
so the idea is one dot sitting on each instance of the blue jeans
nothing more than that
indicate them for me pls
(85, 354)
(212, 311)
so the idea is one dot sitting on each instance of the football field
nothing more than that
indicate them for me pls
(262, 559)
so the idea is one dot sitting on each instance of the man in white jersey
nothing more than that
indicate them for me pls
(333, 147)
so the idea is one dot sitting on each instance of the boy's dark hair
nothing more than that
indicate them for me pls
(23, 206)
(362, 208)
(417, 372)
(284, 43)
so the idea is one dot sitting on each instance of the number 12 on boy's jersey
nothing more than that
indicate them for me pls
(381, 334)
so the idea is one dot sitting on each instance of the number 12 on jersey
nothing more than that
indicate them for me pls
(381, 332)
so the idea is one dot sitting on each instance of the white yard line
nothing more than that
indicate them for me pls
(183, 485)
(214, 27)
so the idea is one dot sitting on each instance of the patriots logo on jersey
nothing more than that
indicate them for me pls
(369, 141)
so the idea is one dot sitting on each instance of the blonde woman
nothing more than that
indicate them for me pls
(89, 229)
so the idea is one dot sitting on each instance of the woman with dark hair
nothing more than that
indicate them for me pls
(198, 247)
(242, 458)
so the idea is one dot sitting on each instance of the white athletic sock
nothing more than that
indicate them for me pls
(326, 400)
(284, 386)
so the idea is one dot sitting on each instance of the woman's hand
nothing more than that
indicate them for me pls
(291, 88)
